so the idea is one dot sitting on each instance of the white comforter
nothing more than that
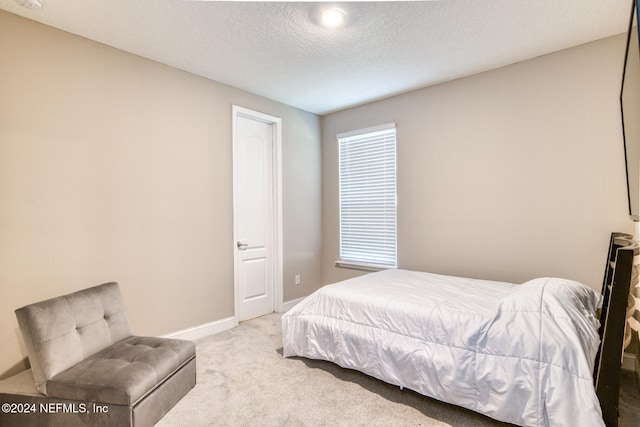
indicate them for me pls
(517, 353)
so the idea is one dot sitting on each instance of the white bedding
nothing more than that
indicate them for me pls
(517, 353)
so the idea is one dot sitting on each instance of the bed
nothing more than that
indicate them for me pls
(530, 354)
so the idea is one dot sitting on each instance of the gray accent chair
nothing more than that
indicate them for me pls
(90, 369)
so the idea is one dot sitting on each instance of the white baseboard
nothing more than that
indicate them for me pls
(204, 330)
(218, 326)
(288, 305)
(629, 362)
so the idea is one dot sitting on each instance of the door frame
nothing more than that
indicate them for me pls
(277, 260)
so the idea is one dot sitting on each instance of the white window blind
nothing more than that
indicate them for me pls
(368, 197)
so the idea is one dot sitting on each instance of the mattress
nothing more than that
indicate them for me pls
(517, 353)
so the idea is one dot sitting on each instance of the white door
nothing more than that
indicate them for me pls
(256, 213)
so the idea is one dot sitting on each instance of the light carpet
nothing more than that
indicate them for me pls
(243, 380)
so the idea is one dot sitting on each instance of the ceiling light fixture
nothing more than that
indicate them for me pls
(30, 4)
(333, 17)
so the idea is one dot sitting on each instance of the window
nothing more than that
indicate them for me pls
(368, 197)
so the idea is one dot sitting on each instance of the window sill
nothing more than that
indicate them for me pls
(363, 266)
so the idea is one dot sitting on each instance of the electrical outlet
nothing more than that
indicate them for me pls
(297, 279)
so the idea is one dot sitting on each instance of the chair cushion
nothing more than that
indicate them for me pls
(123, 373)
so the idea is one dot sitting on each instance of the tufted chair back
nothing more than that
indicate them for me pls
(61, 332)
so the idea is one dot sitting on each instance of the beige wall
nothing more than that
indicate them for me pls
(510, 174)
(113, 167)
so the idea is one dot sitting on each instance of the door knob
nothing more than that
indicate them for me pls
(242, 246)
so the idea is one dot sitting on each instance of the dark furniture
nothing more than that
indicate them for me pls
(619, 272)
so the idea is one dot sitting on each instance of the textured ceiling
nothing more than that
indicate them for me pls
(278, 50)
